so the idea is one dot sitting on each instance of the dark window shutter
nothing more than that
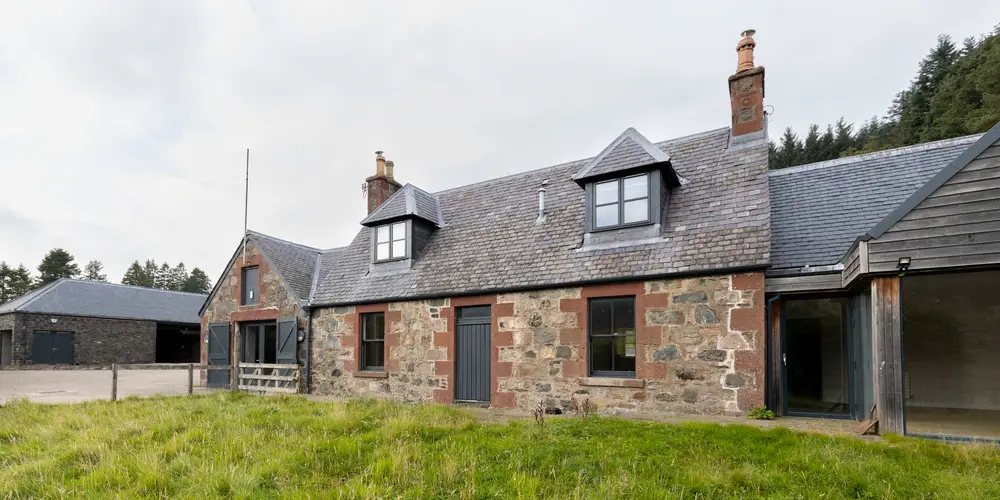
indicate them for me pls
(287, 341)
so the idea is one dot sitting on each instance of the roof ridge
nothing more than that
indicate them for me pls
(126, 286)
(696, 135)
(307, 247)
(885, 153)
(38, 293)
(582, 161)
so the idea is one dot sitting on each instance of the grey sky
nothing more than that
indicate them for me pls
(123, 125)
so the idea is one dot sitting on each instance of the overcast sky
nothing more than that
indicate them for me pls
(123, 125)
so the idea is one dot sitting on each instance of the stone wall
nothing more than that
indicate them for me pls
(700, 348)
(413, 346)
(274, 300)
(96, 341)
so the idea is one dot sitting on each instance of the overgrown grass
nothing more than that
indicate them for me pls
(232, 445)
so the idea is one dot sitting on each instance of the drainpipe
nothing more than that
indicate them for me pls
(768, 321)
(309, 324)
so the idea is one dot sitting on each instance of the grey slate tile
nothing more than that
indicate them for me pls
(89, 298)
(491, 239)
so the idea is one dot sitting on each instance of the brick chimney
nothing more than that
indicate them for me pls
(746, 89)
(382, 185)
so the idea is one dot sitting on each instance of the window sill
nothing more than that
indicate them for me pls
(371, 374)
(632, 383)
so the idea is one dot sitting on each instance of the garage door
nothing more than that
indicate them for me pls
(52, 348)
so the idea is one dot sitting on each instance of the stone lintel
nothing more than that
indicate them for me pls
(632, 383)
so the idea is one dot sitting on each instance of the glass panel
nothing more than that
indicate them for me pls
(815, 356)
(600, 354)
(399, 231)
(398, 249)
(606, 216)
(374, 355)
(474, 312)
(636, 187)
(951, 344)
(382, 251)
(606, 192)
(624, 354)
(624, 315)
(250, 344)
(637, 211)
(382, 234)
(600, 317)
(374, 326)
(270, 344)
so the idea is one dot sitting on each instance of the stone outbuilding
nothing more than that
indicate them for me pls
(91, 323)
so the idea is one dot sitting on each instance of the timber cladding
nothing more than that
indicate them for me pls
(699, 348)
(958, 224)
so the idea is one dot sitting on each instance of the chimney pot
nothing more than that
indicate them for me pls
(389, 166)
(379, 164)
(744, 49)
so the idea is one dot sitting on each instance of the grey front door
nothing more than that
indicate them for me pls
(52, 347)
(218, 354)
(472, 354)
(6, 346)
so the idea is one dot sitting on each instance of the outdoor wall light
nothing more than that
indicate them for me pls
(54, 320)
(903, 264)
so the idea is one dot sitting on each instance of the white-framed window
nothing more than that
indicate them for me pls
(390, 242)
(621, 202)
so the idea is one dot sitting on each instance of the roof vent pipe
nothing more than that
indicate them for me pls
(541, 201)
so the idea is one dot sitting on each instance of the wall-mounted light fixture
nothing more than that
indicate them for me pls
(903, 264)
(54, 320)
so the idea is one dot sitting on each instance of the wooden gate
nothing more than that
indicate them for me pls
(267, 377)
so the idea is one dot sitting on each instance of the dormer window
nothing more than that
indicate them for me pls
(390, 242)
(621, 202)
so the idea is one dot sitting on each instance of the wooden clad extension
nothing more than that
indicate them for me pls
(958, 224)
(887, 353)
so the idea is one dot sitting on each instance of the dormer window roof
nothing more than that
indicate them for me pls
(629, 153)
(410, 201)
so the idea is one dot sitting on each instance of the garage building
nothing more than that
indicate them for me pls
(90, 323)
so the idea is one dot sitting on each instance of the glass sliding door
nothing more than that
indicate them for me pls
(816, 357)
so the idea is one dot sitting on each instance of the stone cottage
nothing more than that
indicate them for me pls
(674, 277)
(634, 278)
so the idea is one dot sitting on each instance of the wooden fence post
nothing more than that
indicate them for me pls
(114, 381)
(190, 379)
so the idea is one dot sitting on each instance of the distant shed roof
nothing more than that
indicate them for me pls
(819, 210)
(94, 299)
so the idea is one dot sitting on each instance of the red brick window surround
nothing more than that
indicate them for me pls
(372, 341)
(262, 269)
(611, 335)
(389, 339)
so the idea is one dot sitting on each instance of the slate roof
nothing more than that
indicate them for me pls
(819, 210)
(408, 201)
(295, 263)
(93, 299)
(718, 220)
(629, 151)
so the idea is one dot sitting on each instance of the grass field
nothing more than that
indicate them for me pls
(232, 445)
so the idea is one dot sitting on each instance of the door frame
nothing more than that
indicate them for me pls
(243, 325)
(848, 345)
(486, 321)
